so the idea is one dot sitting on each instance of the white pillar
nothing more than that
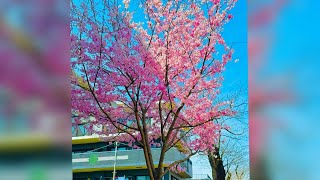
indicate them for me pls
(115, 162)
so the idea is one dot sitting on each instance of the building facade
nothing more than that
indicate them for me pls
(93, 159)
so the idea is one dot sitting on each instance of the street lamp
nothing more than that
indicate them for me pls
(115, 162)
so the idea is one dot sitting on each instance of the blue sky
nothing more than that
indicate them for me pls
(235, 34)
(294, 56)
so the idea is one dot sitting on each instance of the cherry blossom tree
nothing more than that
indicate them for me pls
(230, 158)
(153, 83)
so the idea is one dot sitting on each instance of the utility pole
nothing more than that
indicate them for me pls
(115, 161)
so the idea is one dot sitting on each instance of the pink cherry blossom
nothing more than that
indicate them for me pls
(152, 84)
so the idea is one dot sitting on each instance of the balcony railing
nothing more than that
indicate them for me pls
(201, 177)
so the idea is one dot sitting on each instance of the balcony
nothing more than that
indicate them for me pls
(127, 159)
(201, 177)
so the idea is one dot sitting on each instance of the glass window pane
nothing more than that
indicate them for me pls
(122, 148)
(143, 178)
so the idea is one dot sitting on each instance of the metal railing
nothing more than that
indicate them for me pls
(201, 176)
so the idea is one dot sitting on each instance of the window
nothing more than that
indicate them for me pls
(118, 178)
(123, 148)
(143, 178)
(79, 130)
(122, 178)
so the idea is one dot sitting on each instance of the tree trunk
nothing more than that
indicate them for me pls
(216, 163)
(157, 177)
(148, 163)
(218, 173)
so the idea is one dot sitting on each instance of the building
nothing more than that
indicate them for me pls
(94, 159)
(201, 177)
